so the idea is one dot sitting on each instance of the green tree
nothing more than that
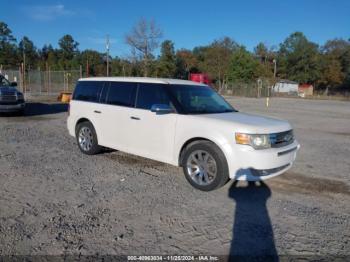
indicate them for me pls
(8, 48)
(298, 59)
(262, 52)
(68, 52)
(167, 60)
(44, 52)
(265, 57)
(216, 59)
(28, 51)
(336, 60)
(332, 75)
(243, 66)
(186, 62)
(68, 46)
(93, 63)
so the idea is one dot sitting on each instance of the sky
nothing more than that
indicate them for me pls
(186, 23)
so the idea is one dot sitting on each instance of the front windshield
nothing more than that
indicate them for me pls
(4, 81)
(195, 99)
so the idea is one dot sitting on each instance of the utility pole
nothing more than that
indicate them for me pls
(274, 68)
(87, 67)
(274, 77)
(107, 47)
(24, 71)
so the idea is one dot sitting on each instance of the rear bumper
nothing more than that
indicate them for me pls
(254, 165)
(12, 108)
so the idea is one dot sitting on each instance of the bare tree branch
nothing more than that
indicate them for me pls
(144, 38)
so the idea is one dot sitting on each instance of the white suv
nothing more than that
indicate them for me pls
(182, 123)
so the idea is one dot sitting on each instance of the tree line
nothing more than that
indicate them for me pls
(224, 60)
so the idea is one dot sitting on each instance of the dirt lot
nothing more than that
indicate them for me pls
(54, 200)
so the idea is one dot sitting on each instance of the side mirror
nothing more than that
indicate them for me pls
(13, 84)
(161, 109)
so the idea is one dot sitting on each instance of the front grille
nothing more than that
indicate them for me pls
(10, 103)
(282, 139)
(8, 98)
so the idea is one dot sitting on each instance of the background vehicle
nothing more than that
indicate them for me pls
(182, 123)
(200, 78)
(11, 100)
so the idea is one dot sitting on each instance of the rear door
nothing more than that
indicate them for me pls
(153, 134)
(116, 110)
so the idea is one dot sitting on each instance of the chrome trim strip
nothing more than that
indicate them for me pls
(287, 151)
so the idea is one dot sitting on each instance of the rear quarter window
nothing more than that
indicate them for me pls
(88, 91)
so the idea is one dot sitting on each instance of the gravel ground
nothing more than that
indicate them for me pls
(56, 201)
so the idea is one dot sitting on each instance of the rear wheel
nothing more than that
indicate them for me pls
(205, 166)
(87, 138)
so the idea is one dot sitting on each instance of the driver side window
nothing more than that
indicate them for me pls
(150, 94)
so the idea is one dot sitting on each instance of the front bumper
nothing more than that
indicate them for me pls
(6, 108)
(254, 165)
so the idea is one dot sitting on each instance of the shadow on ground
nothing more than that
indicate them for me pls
(35, 109)
(253, 237)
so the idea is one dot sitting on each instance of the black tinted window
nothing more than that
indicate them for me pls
(104, 92)
(122, 94)
(150, 94)
(88, 91)
(4, 81)
(199, 99)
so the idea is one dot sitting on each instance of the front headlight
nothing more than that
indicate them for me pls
(254, 140)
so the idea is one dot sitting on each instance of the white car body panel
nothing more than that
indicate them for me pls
(162, 136)
(153, 135)
(221, 129)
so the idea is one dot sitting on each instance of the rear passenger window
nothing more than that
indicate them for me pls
(122, 94)
(150, 94)
(88, 91)
(104, 92)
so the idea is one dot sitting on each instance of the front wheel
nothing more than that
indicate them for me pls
(87, 139)
(205, 166)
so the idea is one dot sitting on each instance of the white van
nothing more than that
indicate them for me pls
(182, 123)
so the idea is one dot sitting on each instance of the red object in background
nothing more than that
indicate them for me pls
(306, 89)
(200, 78)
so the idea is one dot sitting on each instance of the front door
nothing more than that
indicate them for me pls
(153, 134)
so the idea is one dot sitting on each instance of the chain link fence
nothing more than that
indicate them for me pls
(259, 88)
(37, 82)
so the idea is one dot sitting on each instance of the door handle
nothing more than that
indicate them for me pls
(134, 118)
(97, 112)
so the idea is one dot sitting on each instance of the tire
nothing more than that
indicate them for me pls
(87, 138)
(205, 166)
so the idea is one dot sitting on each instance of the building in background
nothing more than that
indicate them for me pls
(305, 90)
(286, 87)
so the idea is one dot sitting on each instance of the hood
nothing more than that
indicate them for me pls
(248, 123)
